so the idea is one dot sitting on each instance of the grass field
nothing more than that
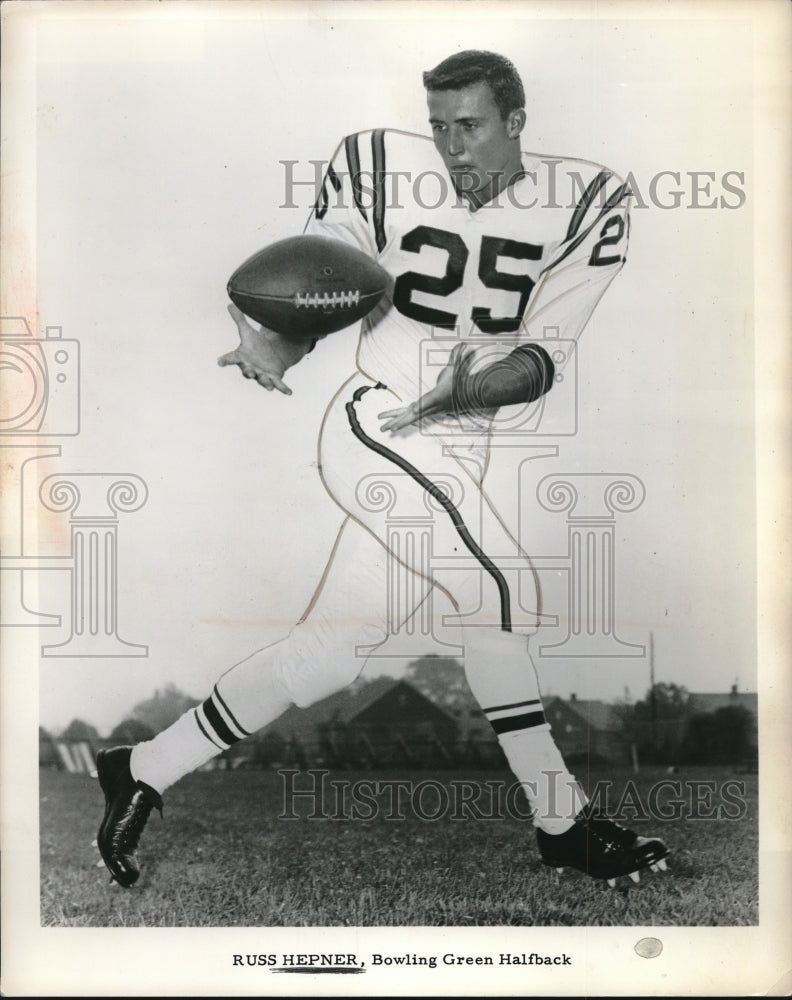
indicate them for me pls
(222, 857)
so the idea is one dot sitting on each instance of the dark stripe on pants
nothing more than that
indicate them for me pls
(439, 496)
(378, 156)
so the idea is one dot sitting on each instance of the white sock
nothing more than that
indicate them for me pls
(176, 751)
(554, 794)
(245, 699)
(503, 680)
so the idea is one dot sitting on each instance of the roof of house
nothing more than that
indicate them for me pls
(345, 706)
(711, 702)
(596, 714)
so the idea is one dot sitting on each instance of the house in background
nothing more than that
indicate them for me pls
(381, 722)
(749, 700)
(386, 722)
(723, 727)
(588, 730)
(74, 751)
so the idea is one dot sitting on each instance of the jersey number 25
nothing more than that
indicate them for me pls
(492, 247)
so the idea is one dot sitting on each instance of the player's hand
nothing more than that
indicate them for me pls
(262, 354)
(440, 399)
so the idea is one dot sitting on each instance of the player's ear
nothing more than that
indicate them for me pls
(515, 122)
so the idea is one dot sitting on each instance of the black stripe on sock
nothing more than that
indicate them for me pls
(513, 722)
(378, 156)
(228, 712)
(203, 730)
(218, 723)
(517, 704)
(437, 494)
(353, 160)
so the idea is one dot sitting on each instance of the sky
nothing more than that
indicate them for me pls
(158, 149)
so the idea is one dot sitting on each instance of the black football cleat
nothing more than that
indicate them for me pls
(128, 804)
(602, 849)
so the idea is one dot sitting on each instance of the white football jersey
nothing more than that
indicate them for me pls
(531, 263)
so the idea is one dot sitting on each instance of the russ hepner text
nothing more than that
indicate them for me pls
(504, 958)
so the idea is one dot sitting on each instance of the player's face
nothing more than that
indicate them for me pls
(480, 150)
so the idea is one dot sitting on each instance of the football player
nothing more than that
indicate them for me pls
(484, 253)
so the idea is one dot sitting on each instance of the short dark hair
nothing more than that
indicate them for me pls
(473, 66)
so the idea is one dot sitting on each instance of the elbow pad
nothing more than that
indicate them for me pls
(539, 367)
(524, 375)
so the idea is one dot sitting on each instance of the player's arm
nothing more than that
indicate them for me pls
(584, 264)
(575, 278)
(343, 207)
(339, 212)
(521, 377)
(263, 354)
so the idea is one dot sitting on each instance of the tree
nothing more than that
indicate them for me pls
(131, 731)
(663, 702)
(719, 737)
(441, 679)
(655, 725)
(732, 728)
(163, 708)
(78, 731)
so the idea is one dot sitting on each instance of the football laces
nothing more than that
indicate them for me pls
(325, 300)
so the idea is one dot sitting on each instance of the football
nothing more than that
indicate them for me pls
(307, 286)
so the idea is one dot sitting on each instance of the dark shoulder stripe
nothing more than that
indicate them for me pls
(583, 205)
(353, 162)
(322, 202)
(378, 157)
(611, 203)
(333, 177)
